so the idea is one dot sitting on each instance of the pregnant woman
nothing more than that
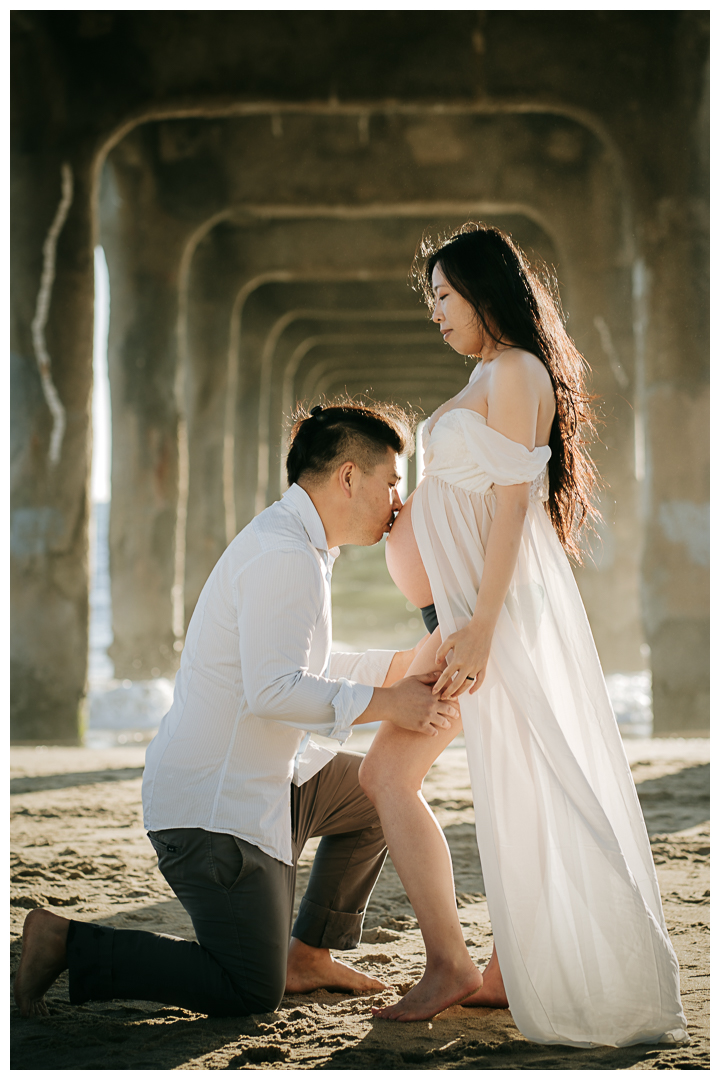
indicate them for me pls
(582, 955)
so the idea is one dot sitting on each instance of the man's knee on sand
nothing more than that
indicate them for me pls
(265, 999)
(256, 987)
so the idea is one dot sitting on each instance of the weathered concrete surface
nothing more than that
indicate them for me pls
(677, 555)
(228, 332)
(49, 506)
(209, 392)
(599, 292)
(192, 170)
(143, 246)
(592, 123)
(673, 288)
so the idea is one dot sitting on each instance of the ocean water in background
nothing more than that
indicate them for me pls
(368, 612)
(120, 712)
(631, 697)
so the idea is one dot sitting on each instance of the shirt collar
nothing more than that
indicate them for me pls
(298, 502)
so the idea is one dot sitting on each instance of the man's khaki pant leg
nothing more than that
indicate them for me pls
(240, 901)
(348, 860)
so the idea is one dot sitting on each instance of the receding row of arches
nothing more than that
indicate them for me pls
(240, 168)
(260, 260)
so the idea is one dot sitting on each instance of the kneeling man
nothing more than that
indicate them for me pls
(234, 786)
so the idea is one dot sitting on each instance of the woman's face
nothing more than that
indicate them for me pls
(456, 317)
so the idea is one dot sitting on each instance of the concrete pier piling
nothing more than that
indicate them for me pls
(259, 181)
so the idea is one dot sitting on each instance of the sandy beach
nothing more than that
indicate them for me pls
(79, 848)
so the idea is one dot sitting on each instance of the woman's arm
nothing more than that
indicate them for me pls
(513, 403)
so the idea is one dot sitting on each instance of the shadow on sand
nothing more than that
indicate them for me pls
(20, 785)
(144, 1036)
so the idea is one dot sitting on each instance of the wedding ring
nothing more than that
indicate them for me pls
(470, 677)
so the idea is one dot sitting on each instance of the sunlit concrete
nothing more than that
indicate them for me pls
(143, 245)
(594, 125)
(346, 238)
(362, 267)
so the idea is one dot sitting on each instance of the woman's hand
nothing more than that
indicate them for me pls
(466, 667)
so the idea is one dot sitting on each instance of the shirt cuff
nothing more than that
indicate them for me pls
(351, 701)
(377, 664)
(369, 667)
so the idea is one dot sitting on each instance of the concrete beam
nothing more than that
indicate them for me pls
(51, 347)
(143, 246)
(599, 301)
(643, 114)
(672, 295)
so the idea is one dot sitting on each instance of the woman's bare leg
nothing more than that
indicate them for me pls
(392, 775)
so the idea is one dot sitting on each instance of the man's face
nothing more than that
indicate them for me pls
(375, 501)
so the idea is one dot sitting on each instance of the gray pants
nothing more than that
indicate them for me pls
(240, 901)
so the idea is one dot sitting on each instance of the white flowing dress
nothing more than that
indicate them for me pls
(569, 876)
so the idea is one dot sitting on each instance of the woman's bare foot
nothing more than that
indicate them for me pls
(438, 989)
(310, 969)
(44, 957)
(491, 994)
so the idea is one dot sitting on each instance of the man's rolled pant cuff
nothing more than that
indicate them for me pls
(324, 928)
(89, 956)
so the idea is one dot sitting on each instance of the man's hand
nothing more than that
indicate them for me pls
(411, 704)
(418, 709)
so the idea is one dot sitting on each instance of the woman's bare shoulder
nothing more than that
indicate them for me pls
(520, 360)
(514, 366)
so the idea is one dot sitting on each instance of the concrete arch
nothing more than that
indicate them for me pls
(385, 381)
(432, 210)
(258, 212)
(657, 215)
(359, 111)
(316, 377)
(322, 316)
(407, 210)
(247, 213)
(652, 131)
(591, 580)
(310, 383)
(229, 486)
(362, 110)
(226, 416)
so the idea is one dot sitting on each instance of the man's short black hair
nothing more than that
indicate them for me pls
(324, 437)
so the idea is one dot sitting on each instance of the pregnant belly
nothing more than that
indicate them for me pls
(403, 560)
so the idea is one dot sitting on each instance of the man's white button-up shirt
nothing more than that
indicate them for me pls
(257, 678)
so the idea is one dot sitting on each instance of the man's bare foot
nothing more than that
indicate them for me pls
(438, 989)
(44, 957)
(491, 994)
(310, 969)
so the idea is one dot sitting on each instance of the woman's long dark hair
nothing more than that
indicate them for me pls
(514, 305)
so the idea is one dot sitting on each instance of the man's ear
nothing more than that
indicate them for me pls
(347, 477)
